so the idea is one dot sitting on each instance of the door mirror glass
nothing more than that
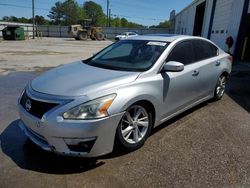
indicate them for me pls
(173, 66)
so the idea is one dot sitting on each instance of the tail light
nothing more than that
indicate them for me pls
(230, 58)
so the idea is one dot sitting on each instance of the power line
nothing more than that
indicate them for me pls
(115, 15)
(21, 6)
(126, 16)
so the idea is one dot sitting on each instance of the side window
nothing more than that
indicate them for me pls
(204, 50)
(183, 53)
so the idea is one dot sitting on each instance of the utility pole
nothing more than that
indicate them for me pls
(109, 16)
(33, 17)
(107, 23)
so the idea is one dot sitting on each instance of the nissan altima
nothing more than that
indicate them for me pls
(116, 97)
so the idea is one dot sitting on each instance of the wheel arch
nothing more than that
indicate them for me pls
(225, 73)
(148, 106)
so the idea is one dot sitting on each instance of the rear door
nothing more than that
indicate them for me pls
(207, 59)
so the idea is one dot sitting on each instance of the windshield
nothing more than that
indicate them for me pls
(129, 55)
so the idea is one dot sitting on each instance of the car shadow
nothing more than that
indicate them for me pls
(238, 87)
(29, 156)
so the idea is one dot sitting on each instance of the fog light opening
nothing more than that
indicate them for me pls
(83, 146)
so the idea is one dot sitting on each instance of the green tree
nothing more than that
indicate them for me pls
(165, 24)
(40, 20)
(5, 18)
(72, 12)
(116, 22)
(57, 13)
(10, 19)
(95, 13)
(66, 13)
(124, 22)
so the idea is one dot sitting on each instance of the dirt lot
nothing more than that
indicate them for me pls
(33, 55)
(208, 146)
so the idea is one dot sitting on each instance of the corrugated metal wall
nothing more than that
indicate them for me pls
(184, 21)
(235, 20)
(221, 22)
(226, 21)
(207, 18)
(62, 31)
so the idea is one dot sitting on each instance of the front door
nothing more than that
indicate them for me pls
(181, 88)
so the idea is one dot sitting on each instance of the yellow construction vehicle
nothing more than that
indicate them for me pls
(84, 31)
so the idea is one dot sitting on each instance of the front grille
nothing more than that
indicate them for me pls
(35, 107)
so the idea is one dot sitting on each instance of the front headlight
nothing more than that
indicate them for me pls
(94, 109)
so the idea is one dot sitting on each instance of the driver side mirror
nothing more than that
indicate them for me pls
(173, 66)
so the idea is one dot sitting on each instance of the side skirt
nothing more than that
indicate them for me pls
(184, 109)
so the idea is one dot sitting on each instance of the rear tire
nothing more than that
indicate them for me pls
(99, 36)
(134, 128)
(220, 87)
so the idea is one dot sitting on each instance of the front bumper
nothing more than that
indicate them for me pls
(57, 135)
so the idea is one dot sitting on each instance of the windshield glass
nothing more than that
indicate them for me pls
(129, 55)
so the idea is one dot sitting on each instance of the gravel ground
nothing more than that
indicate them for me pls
(208, 146)
(34, 55)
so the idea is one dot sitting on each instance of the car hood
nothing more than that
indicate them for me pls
(78, 79)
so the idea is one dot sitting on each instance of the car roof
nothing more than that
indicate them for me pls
(129, 32)
(160, 37)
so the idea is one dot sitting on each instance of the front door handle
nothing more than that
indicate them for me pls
(195, 73)
(217, 63)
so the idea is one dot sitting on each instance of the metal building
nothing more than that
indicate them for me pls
(217, 20)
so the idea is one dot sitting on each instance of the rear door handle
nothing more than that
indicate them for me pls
(217, 63)
(195, 73)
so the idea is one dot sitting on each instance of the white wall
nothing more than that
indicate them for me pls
(227, 18)
(235, 20)
(184, 22)
(223, 12)
(27, 27)
(207, 18)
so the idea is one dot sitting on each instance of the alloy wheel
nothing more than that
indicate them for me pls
(135, 124)
(221, 86)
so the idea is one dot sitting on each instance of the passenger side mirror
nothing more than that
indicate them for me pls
(173, 66)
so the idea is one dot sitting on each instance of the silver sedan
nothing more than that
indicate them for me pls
(117, 96)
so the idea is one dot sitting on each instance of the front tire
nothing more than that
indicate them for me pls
(220, 87)
(83, 36)
(134, 128)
